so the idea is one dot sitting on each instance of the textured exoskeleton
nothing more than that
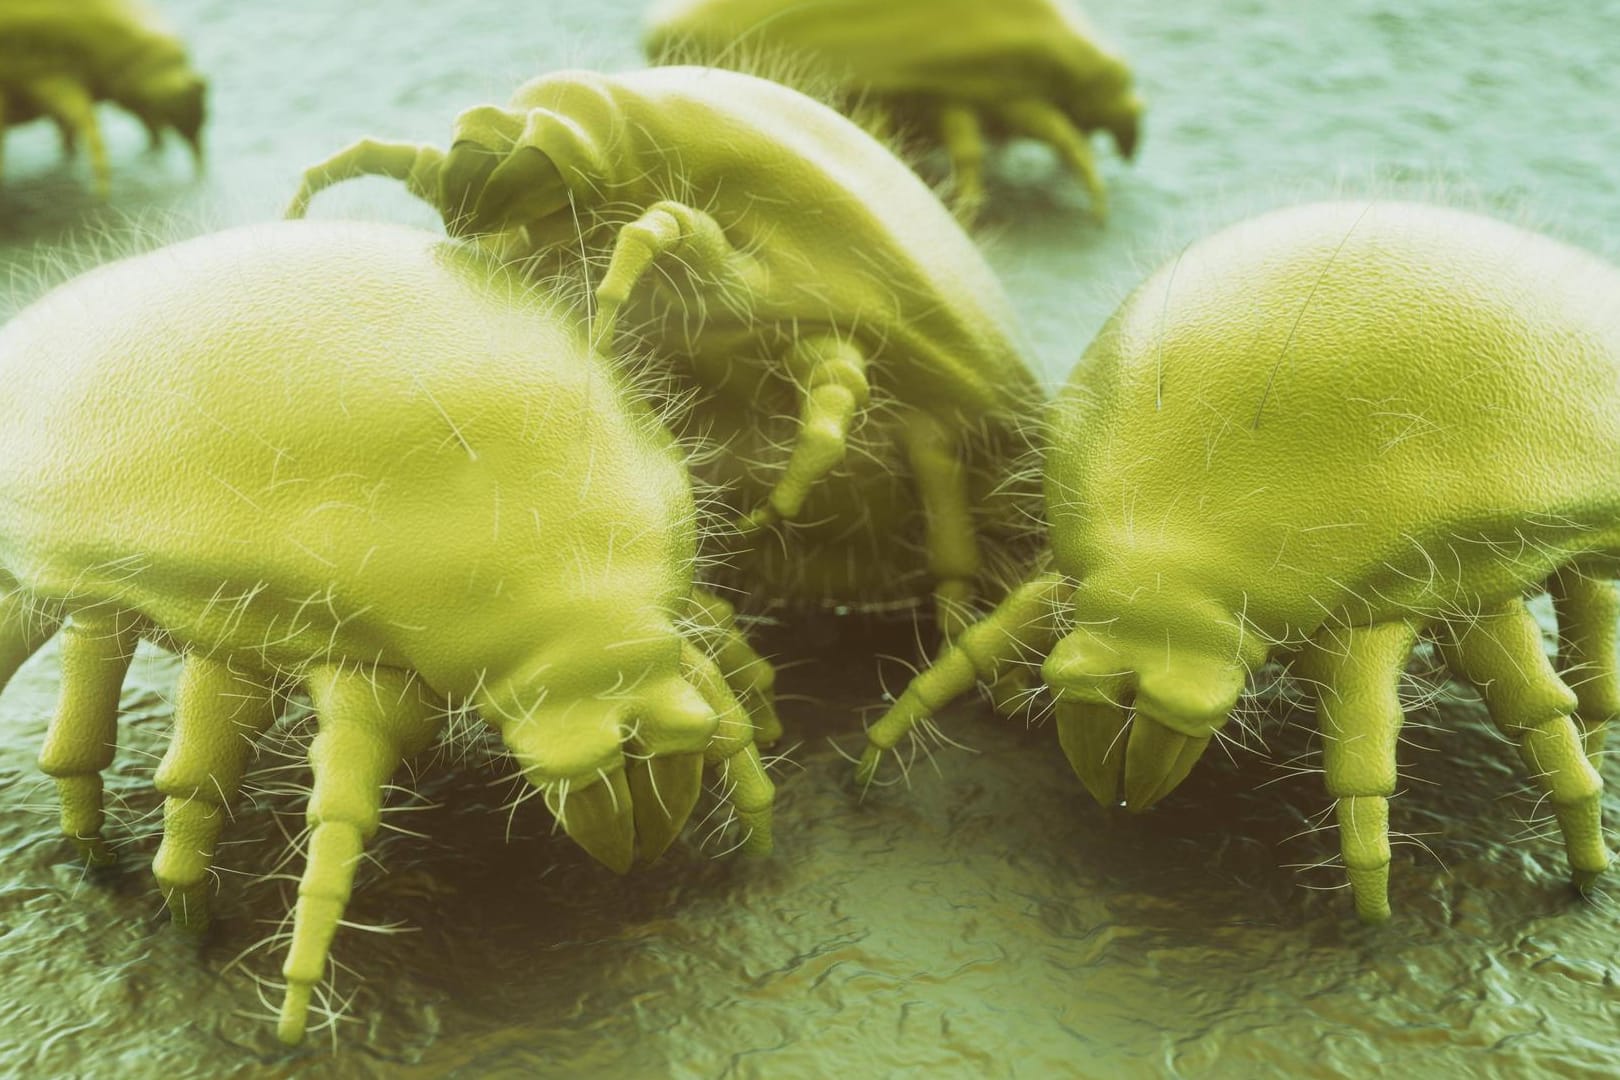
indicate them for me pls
(59, 57)
(357, 460)
(956, 72)
(1318, 435)
(810, 293)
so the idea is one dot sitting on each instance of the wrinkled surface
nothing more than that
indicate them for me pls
(992, 921)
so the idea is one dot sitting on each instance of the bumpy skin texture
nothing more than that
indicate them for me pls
(957, 72)
(358, 461)
(807, 291)
(1316, 436)
(59, 57)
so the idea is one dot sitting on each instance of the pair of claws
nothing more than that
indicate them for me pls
(1555, 717)
(370, 720)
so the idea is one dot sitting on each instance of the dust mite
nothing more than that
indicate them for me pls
(58, 59)
(356, 460)
(959, 74)
(1316, 436)
(828, 327)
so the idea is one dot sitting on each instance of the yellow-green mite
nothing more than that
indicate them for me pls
(59, 57)
(1317, 436)
(960, 73)
(811, 297)
(358, 461)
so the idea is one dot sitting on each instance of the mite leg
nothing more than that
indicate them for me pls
(667, 228)
(23, 631)
(1022, 623)
(71, 105)
(1500, 653)
(953, 547)
(369, 722)
(218, 716)
(414, 164)
(1589, 637)
(732, 754)
(1039, 120)
(97, 648)
(962, 134)
(749, 675)
(831, 376)
(1356, 676)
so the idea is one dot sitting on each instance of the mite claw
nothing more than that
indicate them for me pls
(467, 169)
(1093, 739)
(600, 818)
(866, 769)
(762, 518)
(1157, 759)
(664, 790)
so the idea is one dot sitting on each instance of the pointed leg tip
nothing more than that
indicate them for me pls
(1584, 880)
(1373, 914)
(95, 851)
(294, 1014)
(866, 769)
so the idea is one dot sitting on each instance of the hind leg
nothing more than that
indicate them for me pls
(1356, 676)
(218, 715)
(1500, 653)
(369, 722)
(1589, 638)
(749, 675)
(97, 648)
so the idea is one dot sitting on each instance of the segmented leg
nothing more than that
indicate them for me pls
(1356, 675)
(962, 135)
(97, 648)
(369, 722)
(665, 228)
(218, 716)
(732, 753)
(749, 675)
(414, 164)
(1589, 638)
(71, 104)
(1022, 623)
(831, 376)
(1500, 653)
(953, 546)
(1040, 120)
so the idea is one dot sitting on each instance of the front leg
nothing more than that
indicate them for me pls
(691, 236)
(70, 105)
(953, 547)
(415, 164)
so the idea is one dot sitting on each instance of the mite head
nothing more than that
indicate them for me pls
(164, 92)
(611, 728)
(1142, 684)
(1100, 97)
(533, 162)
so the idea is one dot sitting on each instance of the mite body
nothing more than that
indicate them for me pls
(808, 293)
(357, 461)
(59, 57)
(1317, 436)
(959, 73)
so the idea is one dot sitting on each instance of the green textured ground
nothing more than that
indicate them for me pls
(992, 921)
